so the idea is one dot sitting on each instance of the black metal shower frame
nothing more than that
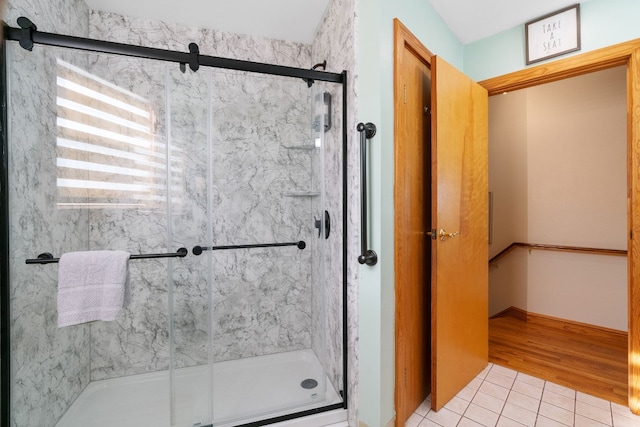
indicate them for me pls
(194, 59)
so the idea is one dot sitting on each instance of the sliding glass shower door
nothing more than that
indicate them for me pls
(248, 312)
(188, 118)
(227, 189)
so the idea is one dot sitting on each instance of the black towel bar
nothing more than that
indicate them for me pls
(197, 250)
(47, 258)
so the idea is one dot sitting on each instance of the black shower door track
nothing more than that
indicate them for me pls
(183, 58)
(101, 46)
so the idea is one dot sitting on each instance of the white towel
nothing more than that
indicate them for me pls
(91, 286)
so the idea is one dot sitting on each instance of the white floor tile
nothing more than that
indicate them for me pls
(557, 414)
(505, 398)
(481, 415)
(504, 371)
(457, 405)
(524, 401)
(444, 417)
(582, 421)
(475, 383)
(595, 413)
(620, 420)
(414, 420)
(499, 379)
(594, 401)
(428, 423)
(494, 390)
(466, 422)
(491, 403)
(521, 415)
(527, 389)
(485, 371)
(467, 393)
(537, 382)
(546, 422)
(424, 408)
(507, 422)
(557, 388)
(620, 409)
(559, 400)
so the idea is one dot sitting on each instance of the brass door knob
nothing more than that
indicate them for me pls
(444, 235)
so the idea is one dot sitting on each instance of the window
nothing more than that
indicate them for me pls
(107, 156)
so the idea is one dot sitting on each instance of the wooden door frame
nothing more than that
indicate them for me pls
(403, 39)
(624, 54)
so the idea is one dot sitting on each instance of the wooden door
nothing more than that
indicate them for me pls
(412, 200)
(459, 276)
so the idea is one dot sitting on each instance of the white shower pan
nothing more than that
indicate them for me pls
(244, 391)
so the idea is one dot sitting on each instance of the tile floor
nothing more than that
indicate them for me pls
(501, 397)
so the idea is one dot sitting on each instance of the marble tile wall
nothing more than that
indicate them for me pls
(261, 297)
(49, 366)
(138, 340)
(261, 301)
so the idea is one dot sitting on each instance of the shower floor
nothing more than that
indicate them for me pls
(244, 390)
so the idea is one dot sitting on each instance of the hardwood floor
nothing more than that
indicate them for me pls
(586, 358)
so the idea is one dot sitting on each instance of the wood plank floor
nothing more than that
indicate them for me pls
(588, 359)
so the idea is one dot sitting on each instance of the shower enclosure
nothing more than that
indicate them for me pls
(227, 186)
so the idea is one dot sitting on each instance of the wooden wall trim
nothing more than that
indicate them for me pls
(558, 248)
(512, 311)
(633, 112)
(557, 70)
(404, 40)
(525, 315)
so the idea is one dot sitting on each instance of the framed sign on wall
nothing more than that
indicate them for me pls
(552, 35)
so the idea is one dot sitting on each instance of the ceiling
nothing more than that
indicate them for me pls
(297, 20)
(472, 20)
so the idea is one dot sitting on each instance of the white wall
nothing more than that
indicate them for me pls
(508, 184)
(577, 161)
(508, 169)
(574, 182)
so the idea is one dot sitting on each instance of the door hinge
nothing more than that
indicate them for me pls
(433, 233)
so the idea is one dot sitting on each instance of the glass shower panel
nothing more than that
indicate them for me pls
(50, 366)
(189, 156)
(267, 187)
(87, 154)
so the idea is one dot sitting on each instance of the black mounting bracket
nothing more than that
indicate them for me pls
(322, 64)
(194, 64)
(28, 27)
(327, 225)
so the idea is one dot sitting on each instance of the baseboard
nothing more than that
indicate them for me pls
(524, 315)
(512, 311)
